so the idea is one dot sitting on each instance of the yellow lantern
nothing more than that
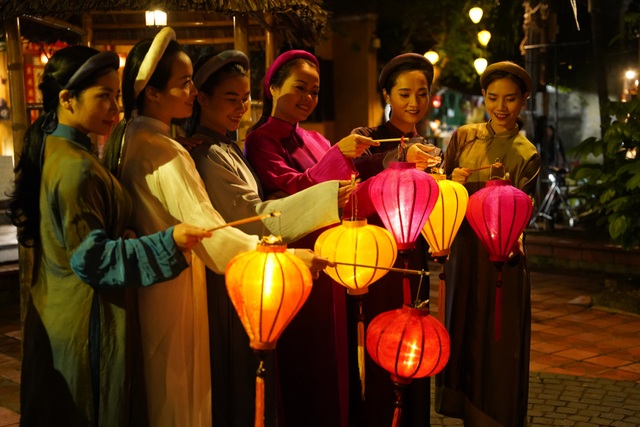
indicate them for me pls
(355, 246)
(267, 287)
(443, 225)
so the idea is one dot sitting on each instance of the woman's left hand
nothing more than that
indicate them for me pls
(313, 261)
(423, 155)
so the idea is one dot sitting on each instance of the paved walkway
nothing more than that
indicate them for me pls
(585, 361)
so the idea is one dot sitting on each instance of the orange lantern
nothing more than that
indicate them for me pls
(408, 343)
(357, 248)
(267, 287)
(443, 225)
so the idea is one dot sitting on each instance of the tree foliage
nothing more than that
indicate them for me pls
(443, 26)
(611, 188)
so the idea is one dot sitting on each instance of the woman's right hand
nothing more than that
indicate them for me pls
(345, 188)
(354, 145)
(187, 236)
(460, 175)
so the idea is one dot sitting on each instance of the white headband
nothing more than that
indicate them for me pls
(151, 59)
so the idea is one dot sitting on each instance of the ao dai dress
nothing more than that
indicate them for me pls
(80, 332)
(166, 189)
(485, 381)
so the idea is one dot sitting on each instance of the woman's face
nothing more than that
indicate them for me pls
(96, 110)
(298, 96)
(178, 96)
(224, 108)
(504, 100)
(409, 99)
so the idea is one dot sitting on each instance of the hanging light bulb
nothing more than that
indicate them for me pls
(475, 13)
(432, 56)
(155, 18)
(480, 65)
(483, 37)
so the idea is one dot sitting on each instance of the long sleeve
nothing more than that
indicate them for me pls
(233, 193)
(283, 165)
(167, 189)
(104, 262)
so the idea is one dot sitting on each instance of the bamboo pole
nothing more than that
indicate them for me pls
(19, 125)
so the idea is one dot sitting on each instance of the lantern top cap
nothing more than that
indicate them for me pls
(498, 182)
(271, 241)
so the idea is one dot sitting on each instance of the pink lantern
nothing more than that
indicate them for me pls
(403, 197)
(408, 343)
(498, 214)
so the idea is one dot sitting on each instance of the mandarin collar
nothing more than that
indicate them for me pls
(214, 136)
(162, 127)
(281, 128)
(72, 134)
(491, 133)
(396, 131)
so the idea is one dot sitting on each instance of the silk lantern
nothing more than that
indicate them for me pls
(403, 197)
(408, 343)
(443, 225)
(498, 214)
(267, 287)
(354, 246)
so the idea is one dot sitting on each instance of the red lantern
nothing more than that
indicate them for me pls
(498, 214)
(408, 343)
(404, 197)
(443, 225)
(267, 287)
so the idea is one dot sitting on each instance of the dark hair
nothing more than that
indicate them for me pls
(393, 76)
(232, 69)
(159, 80)
(497, 75)
(278, 80)
(24, 205)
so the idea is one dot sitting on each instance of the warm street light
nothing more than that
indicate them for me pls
(475, 13)
(483, 37)
(155, 18)
(432, 56)
(629, 74)
(480, 65)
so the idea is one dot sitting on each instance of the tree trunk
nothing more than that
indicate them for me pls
(595, 10)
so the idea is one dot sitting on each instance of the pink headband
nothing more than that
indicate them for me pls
(280, 61)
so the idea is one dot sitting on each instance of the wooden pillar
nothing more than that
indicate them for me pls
(241, 33)
(19, 125)
(270, 42)
(87, 26)
(241, 43)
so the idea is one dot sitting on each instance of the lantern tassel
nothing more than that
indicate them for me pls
(259, 420)
(398, 389)
(361, 366)
(406, 284)
(361, 357)
(497, 327)
(442, 295)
